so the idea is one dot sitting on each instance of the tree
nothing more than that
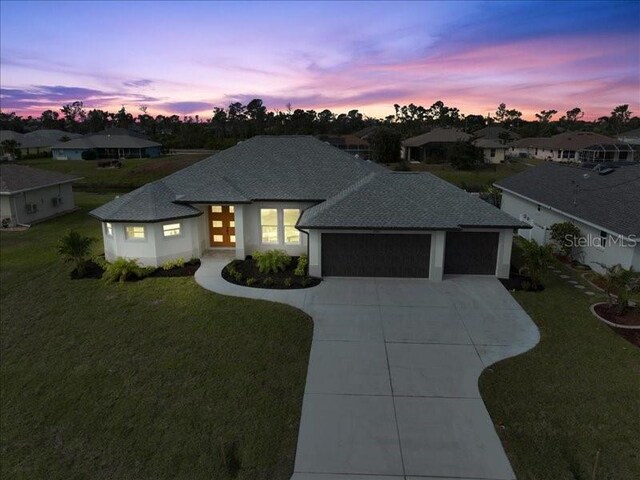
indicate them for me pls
(545, 115)
(122, 119)
(619, 284)
(385, 145)
(74, 114)
(574, 115)
(76, 248)
(49, 120)
(97, 120)
(564, 236)
(465, 156)
(535, 259)
(507, 117)
(620, 116)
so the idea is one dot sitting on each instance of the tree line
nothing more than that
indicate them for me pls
(239, 121)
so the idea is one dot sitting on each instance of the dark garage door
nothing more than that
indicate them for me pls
(375, 255)
(471, 253)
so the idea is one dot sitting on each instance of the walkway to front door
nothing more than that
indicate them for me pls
(392, 385)
(222, 226)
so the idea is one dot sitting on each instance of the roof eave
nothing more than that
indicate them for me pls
(137, 220)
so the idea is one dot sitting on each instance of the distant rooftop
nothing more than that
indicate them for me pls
(19, 178)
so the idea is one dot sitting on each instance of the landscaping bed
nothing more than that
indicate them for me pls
(95, 270)
(630, 318)
(520, 283)
(246, 273)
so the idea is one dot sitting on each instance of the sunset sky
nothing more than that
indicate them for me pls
(187, 57)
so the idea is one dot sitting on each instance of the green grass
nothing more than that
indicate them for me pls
(135, 172)
(475, 180)
(147, 380)
(575, 394)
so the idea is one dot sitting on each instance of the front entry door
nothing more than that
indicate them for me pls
(222, 226)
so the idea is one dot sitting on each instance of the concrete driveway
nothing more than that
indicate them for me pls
(392, 385)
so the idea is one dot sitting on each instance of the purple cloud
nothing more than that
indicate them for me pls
(143, 82)
(186, 107)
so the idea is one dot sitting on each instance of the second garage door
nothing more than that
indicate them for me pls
(471, 253)
(375, 255)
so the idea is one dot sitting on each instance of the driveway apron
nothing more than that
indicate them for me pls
(392, 384)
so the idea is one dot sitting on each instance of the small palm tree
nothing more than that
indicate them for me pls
(76, 248)
(535, 258)
(619, 284)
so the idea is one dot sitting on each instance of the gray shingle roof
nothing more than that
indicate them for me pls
(564, 141)
(611, 202)
(18, 178)
(410, 201)
(152, 202)
(261, 168)
(437, 135)
(493, 132)
(106, 141)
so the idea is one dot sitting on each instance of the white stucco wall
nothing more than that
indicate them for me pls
(155, 248)
(543, 218)
(15, 206)
(497, 158)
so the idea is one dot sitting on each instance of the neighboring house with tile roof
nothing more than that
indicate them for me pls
(432, 146)
(37, 141)
(29, 195)
(604, 204)
(572, 147)
(109, 143)
(299, 194)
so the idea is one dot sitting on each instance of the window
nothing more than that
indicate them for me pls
(135, 232)
(538, 207)
(493, 152)
(171, 229)
(216, 208)
(269, 225)
(291, 234)
(109, 229)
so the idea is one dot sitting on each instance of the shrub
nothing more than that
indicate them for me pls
(619, 284)
(564, 236)
(122, 269)
(306, 281)
(238, 276)
(267, 282)
(76, 248)
(251, 281)
(402, 167)
(465, 156)
(288, 282)
(535, 258)
(89, 155)
(301, 268)
(176, 263)
(271, 261)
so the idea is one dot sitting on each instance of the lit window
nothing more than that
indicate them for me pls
(231, 209)
(135, 232)
(171, 229)
(216, 223)
(291, 234)
(216, 209)
(233, 239)
(269, 225)
(218, 238)
(232, 224)
(109, 229)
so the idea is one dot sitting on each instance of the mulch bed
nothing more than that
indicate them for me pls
(92, 270)
(95, 271)
(519, 283)
(248, 269)
(631, 317)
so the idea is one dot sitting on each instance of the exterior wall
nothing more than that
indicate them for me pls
(543, 218)
(7, 209)
(498, 157)
(42, 197)
(155, 248)
(67, 154)
(153, 151)
(251, 233)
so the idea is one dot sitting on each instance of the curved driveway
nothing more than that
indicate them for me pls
(392, 385)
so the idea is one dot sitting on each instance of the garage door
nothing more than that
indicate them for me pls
(375, 255)
(471, 253)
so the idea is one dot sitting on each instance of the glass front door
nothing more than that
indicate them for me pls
(222, 226)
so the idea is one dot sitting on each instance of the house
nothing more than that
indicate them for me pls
(432, 146)
(38, 141)
(631, 136)
(603, 203)
(110, 143)
(29, 195)
(573, 147)
(494, 150)
(349, 143)
(299, 194)
(496, 132)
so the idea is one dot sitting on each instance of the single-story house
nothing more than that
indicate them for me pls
(299, 194)
(494, 150)
(110, 143)
(37, 141)
(573, 147)
(496, 132)
(432, 146)
(603, 203)
(349, 143)
(29, 195)
(630, 136)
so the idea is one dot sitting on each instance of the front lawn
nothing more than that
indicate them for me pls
(134, 173)
(574, 398)
(148, 380)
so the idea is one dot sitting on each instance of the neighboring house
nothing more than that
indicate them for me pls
(110, 143)
(606, 208)
(37, 141)
(432, 146)
(348, 143)
(494, 150)
(573, 147)
(29, 195)
(496, 132)
(631, 136)
(299, 194)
